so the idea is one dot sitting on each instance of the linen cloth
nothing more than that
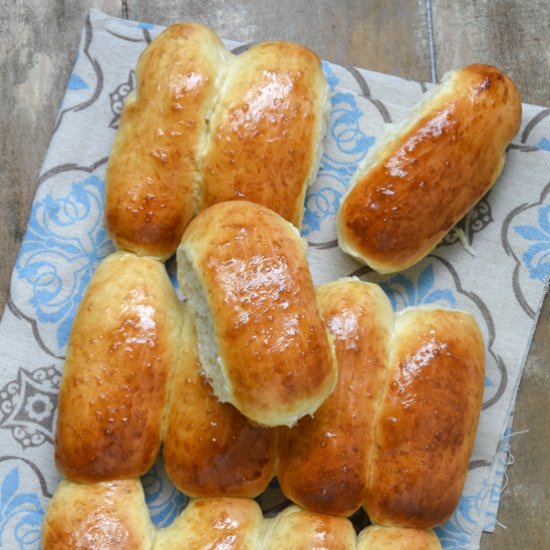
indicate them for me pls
(499, 274)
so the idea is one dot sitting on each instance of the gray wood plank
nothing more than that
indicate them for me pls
(389, 36)
(37, 50)
(510, 34)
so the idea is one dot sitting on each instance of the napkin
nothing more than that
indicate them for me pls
(495, 266)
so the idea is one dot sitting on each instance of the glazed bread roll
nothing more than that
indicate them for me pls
(297, 529)
(323, 460)
(266, 131)
(125, 339)
(109, 516)
(210, 449)
(262, 342)
(427, 418)
(153, 167)
(423, 177)
(377, 537)
(398, 431)
(214, 523)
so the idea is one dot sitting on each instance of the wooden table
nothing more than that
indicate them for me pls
(414, 39)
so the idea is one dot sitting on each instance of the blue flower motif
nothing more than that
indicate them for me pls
(337, 167)
(76, 83)
(544, 143)
(403, 292)
(455, 534)
(21, 514)
(165, 502)
(537, 256)
(331, 77)
(65, 241)
(145, 26)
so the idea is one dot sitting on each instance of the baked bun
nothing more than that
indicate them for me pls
(423, 177)
(109, 516)
(266, 131)
(124, 341)
(398, 431)
(297, 529)
(427, 418)
(262, 342)
(377, 537)
(209, 448)
(214, 523)
(153, 167)
(323, 460)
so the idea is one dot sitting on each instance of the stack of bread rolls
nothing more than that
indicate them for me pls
(260, 374)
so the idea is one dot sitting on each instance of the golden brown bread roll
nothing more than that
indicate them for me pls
(399, 429)
(210, 449)
(214, 523)
(266, 131)
(109, 516)
(427, 418)
(125, 339)
(377, 537)
(153, 168)
(262, 342)
(424, 177)
(323, 461)
(297, 529)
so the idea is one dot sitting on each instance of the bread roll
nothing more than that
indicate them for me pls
(323, 461)
(214, 523)
(427, 418)
(262, 342)
(296, 529)
(153, 168)
(377, 537)
(210, 449)
(266, 131)
(125, 339)
(424, 177)
(109, 516)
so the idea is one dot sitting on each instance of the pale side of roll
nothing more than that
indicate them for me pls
(154, 165)
(209, 448)
(323, 460)
(214, 523)
(126, 337)
(297, 529)
(262, 341)
(377, 537)
(426, 174)
(111, 515)
(265, 137)
(426, 419)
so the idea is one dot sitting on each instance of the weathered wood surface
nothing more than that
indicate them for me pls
(38, 43)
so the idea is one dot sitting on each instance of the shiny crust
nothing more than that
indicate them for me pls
(323, 461)
(416, 186)
(210, 449)
(110, 515)
(377, 537)
(215, 523)
(298, 529)
(266, 132)
(427, 418)
(153, 168)
(273, 347)
(124, 342)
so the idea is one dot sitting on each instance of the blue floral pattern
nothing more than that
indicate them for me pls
(537, 256)
(335, 172)
(404, 292)
(65, 241)
(544, 143)
(164, 501)
(21, 513)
